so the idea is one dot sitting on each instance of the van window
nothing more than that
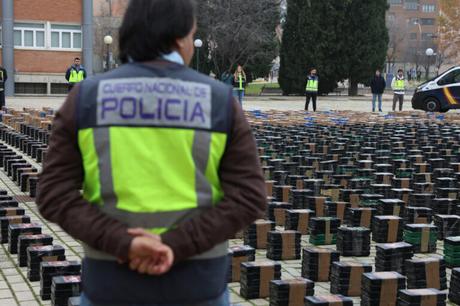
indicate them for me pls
(450, 78)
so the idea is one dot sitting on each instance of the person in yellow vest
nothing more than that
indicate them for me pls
(311, 90)
(3, 78)
(75, 74)
(399, 87)
(167, 164)
(239, 83)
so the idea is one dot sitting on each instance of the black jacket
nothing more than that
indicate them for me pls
(378, 85)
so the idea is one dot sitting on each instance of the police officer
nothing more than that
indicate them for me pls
(399, 87)
(311, 90)
(75, 74)
(167, 163)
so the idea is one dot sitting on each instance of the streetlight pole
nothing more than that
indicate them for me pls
(198, 43)
(429, 53)
(108, 40)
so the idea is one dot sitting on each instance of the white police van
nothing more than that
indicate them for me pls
(439, 94)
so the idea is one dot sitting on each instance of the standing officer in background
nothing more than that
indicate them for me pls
(399, 87)
(168, 164)
(240, 83)
(75, 74)
(311, 91)
(3, 78)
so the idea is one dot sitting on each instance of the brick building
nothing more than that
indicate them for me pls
(46, 35)
(413, 27)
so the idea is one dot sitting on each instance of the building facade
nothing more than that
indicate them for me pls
(40, 39)
(413, 28)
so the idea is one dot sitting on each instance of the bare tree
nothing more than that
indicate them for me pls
(398, 35)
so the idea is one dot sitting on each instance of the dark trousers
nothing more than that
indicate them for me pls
(311, 96)
(70, 87)
(400, 99)
(2, 99)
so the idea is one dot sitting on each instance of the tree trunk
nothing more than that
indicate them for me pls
(352, 87)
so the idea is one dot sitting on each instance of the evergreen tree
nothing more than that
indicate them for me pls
(366, 40)
(292, 64)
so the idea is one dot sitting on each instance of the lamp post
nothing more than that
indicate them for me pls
(108, 40)
(198, 43)
(429, 53)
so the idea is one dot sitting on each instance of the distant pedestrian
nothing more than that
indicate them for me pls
(399, 87)
(311, 90)
(240, 83)
(75, 74)
(419, 75)
(378, 85)
(3, 78)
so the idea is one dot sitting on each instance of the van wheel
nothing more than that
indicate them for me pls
(432, 105)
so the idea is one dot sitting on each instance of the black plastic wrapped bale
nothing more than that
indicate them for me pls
(422, 297)
(74, 301)
(48, 270)
(24, 241)
(256, 234)
(454, 288)
(445, 206)
(423, 178)
(38, 254)
(63, 288)
(328, 300)
(16, 230)
(299, 198)
(238, 255)
(316, 263)
(382, 189)
(448, 225)
(450, 193)
(391, 256)
(323, 230)
(282, 193)
(383, 178)
(256, 278)
(452, 251)
(283, 245)
(426, 273)
(337, 209)
(331, 191)
(277, 212)
(290, 292)
(298, 220)
(346, 277)
(401, 183)
(370, 200)
(387, 229)
(6, 221)
(391, 207)
(354, 241)
(422, 236)
(360, 217)
(351, 196)
(381, 288)
(317, 205)
(419, 215)
(402, 194)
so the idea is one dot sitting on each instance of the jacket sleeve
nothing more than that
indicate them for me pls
(67, 74)
(84, 74)
(5, 75)
(59, 198)
(393, 83)
(244, 198)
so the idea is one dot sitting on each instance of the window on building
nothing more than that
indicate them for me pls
(427, 21)
(59, 89)
(427, 36)
(30, 88)
(413, 36)
(394, 1)
(29, 35)
(429, 8)
(66, 36)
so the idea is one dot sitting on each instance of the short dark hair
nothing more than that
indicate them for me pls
(150, 28)
(400, 70)
(76, 59)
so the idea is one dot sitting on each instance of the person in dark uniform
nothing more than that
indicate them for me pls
(3, 78)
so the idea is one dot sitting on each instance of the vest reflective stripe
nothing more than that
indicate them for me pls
(312, 85)
(240, 81)
(400, 85)
(76, 77)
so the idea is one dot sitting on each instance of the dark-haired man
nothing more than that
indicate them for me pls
(75, 74)
(311, 89)
(168, 165)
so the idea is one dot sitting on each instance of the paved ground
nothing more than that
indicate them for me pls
(15, 289)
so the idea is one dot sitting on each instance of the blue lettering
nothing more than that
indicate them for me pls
(126, 101)
(185, 109)
(167, 104)
(108, 104)
(160, 104)
(198, 112)
(144, 115)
